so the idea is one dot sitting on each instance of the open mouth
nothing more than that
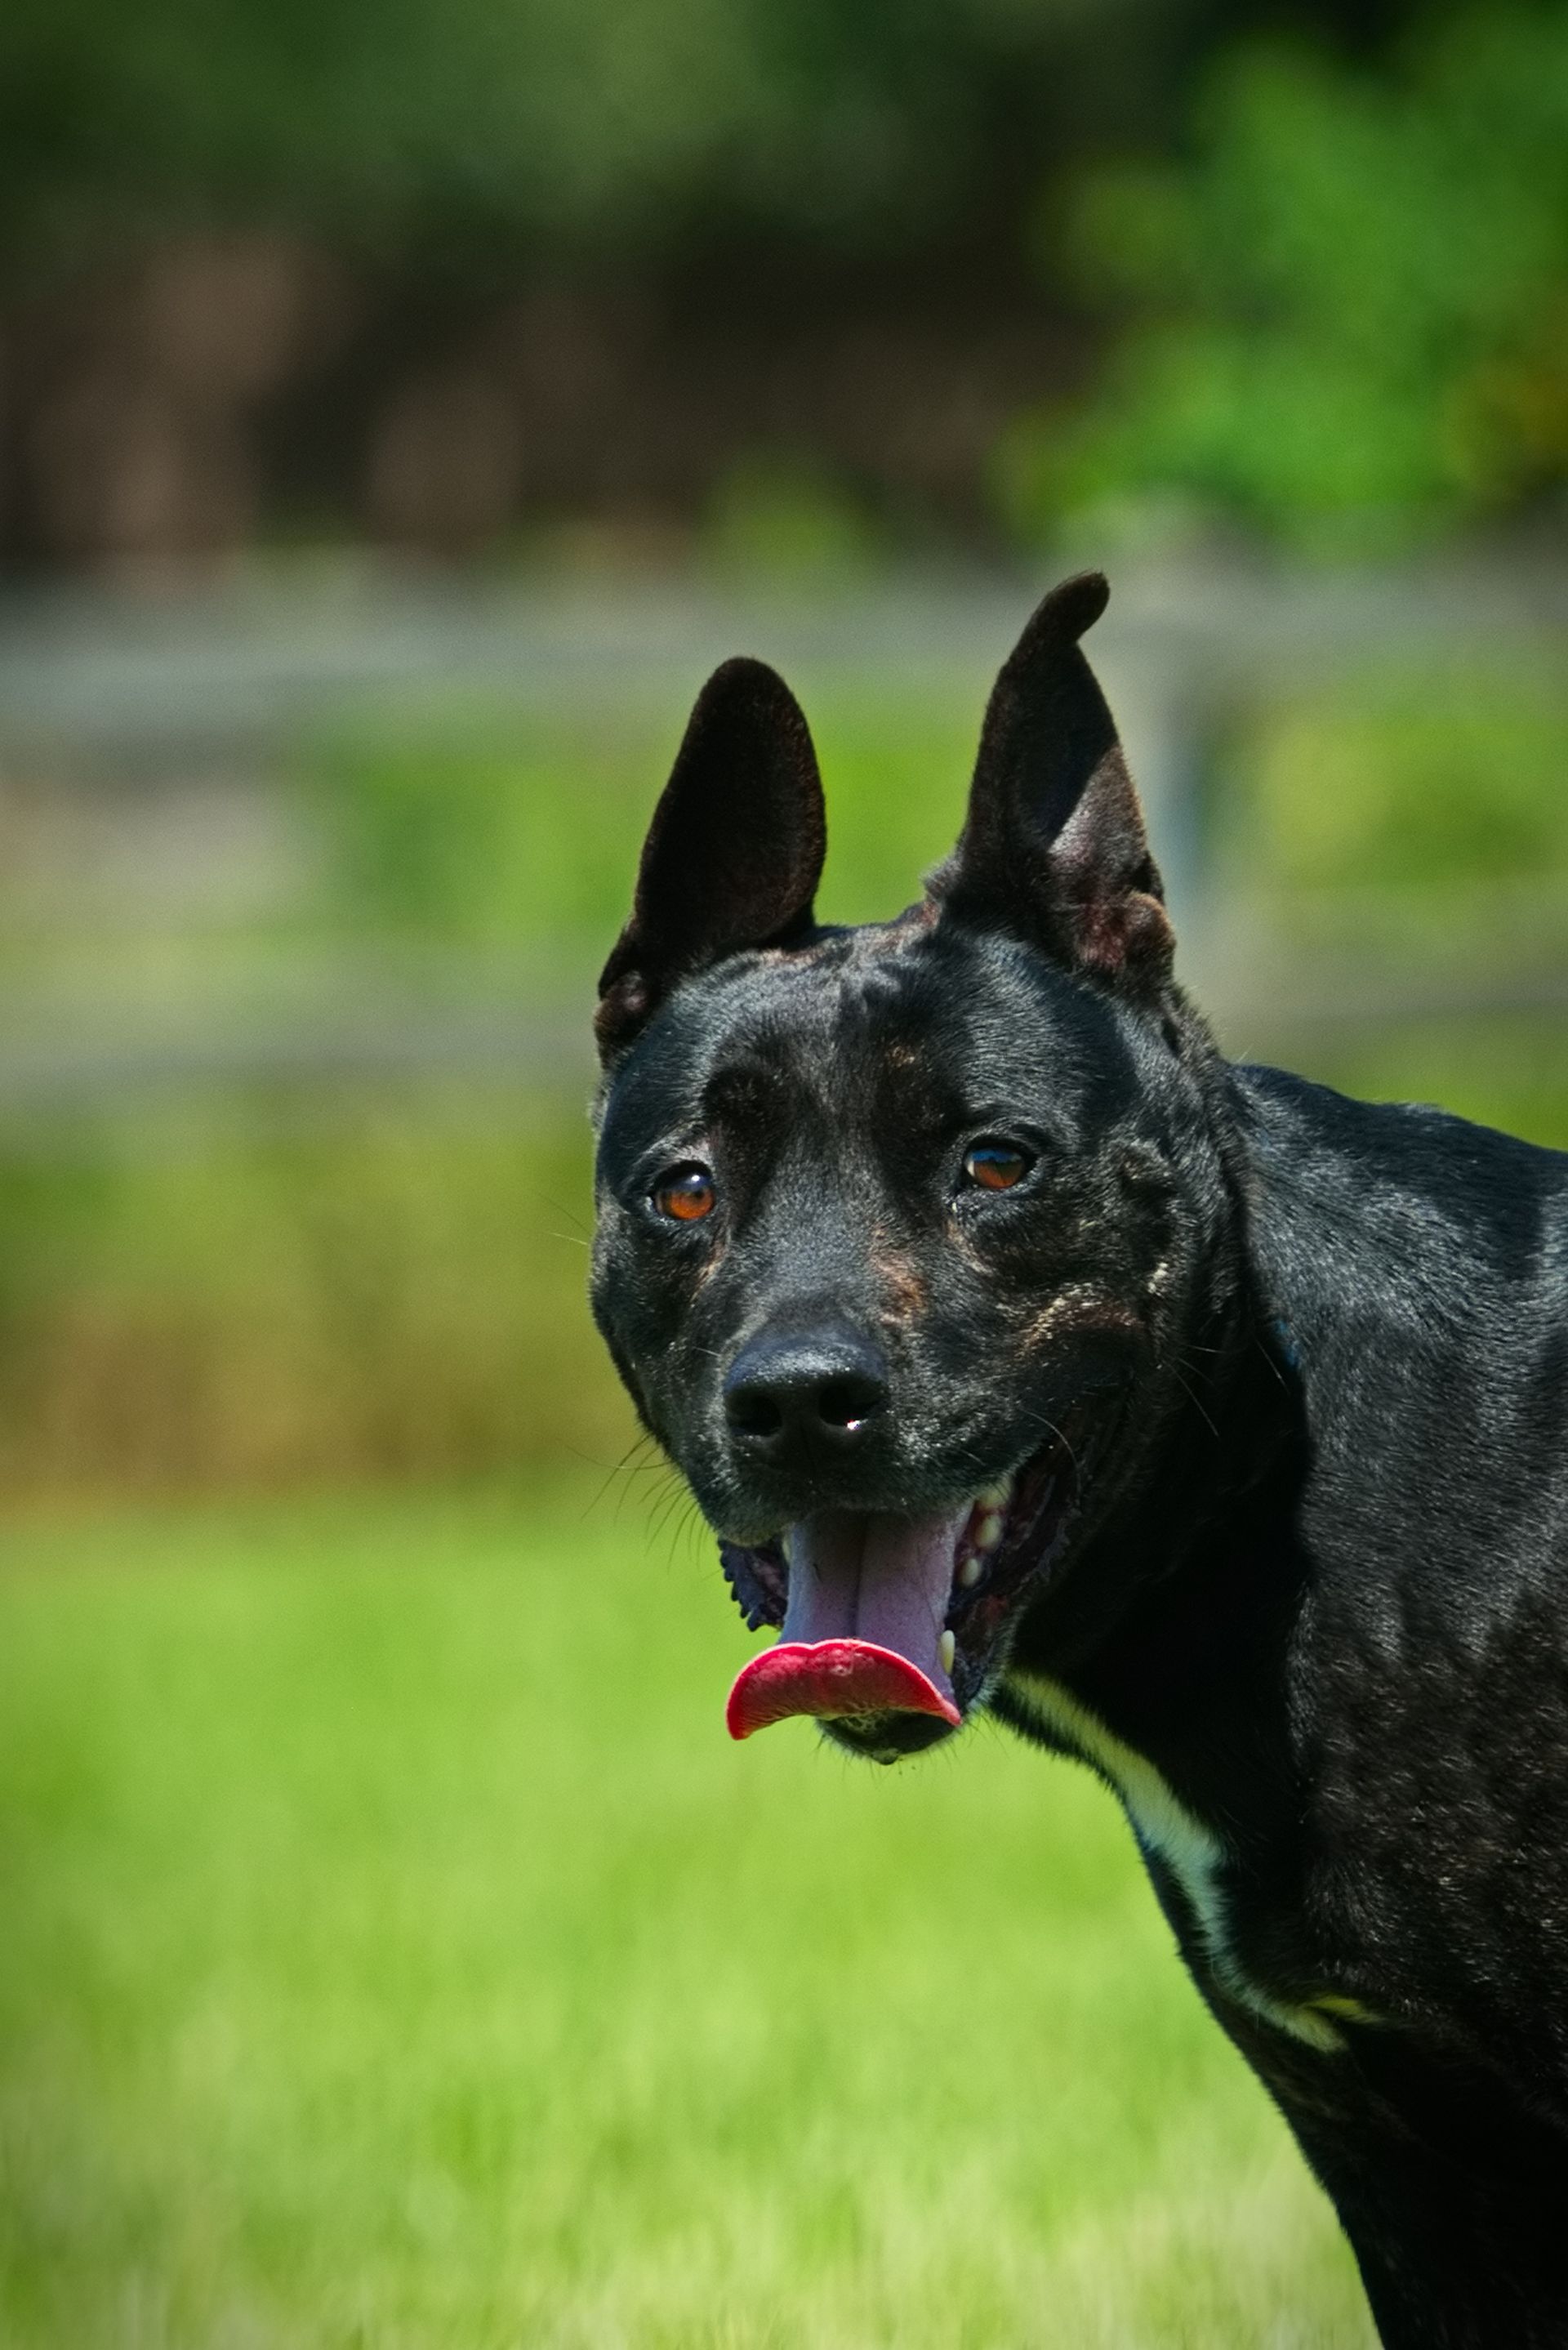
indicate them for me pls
(891, 1624)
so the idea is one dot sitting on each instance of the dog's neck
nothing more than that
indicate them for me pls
(1173, 1625)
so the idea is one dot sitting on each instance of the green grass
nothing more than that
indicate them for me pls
(397, 1954)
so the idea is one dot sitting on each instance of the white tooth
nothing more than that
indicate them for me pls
(946, 1647)
(995, 1497)
(988, 1534)
(970, 1571)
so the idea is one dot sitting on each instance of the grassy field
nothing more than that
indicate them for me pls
(396, 1953)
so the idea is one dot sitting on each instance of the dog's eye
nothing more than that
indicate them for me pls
(997, 1166)
(687, 1193)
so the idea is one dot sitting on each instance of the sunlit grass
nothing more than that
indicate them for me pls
(397, 1954)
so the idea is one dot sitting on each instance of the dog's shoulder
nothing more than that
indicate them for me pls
(1416, 1268)
(1422, 1180)
(1419, 1267)
(1399, 1242)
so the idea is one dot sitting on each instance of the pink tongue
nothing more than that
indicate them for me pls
(868, 1596)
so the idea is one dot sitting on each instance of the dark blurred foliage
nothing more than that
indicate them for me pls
(431, 271)
(486, 128)
(1345, 321)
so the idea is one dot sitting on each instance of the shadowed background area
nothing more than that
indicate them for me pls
(400, 412)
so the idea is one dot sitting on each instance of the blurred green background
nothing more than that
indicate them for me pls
(399, 412)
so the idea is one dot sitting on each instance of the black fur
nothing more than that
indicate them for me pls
(1290, 1372)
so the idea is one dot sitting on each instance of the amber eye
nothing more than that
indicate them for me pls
(997, 1166)
(686, 1193)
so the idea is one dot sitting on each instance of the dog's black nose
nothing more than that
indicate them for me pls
(804, 1390)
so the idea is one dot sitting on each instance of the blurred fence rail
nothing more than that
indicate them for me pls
(140, 740)
(141, 743)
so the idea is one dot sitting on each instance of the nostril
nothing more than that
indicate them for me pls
(752, 1412)
(844, 1403)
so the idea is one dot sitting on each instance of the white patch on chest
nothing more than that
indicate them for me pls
(1192, 1851)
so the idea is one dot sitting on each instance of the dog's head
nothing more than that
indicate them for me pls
(898, 1226)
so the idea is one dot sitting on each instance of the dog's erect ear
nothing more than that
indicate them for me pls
(734, 852)
(1054, 848)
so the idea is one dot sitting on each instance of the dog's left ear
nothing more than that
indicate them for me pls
(734, 852)
(1054, 848)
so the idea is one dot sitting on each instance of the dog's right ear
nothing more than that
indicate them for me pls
(734, 852)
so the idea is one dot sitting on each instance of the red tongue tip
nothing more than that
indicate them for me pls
(828, 1678)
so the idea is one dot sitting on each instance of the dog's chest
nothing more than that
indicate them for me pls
(1195, 1856)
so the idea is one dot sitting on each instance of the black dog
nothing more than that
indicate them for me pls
(1203, 1424)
